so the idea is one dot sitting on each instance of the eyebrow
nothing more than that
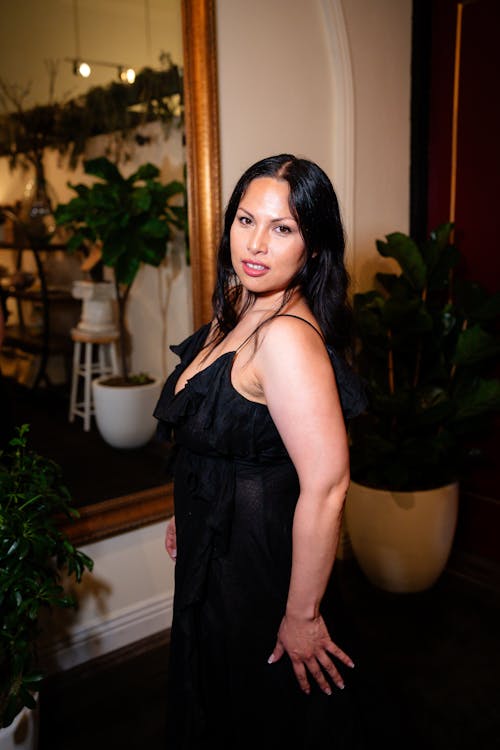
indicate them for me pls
(273, 221)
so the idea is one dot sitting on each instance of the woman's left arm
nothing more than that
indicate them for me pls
(298, 382)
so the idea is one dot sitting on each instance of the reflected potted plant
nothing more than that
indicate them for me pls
(34, 554)
(130, 222)
(426, 345)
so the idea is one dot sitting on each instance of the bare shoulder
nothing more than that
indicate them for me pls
(295, 375)
(292, 334)
(291, 355)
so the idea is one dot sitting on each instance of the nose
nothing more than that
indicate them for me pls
(257, 241)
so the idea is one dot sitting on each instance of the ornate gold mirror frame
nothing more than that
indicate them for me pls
(122, 514)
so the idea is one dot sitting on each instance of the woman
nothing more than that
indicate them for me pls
(258, 407)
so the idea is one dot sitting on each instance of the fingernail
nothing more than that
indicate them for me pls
(271, 659)
(341, 685)
(351, 664)
(328, 691)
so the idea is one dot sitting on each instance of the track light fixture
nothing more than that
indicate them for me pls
(84, 68)
(126, 75)
(81, 68)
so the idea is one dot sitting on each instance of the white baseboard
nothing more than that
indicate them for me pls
(99, 637)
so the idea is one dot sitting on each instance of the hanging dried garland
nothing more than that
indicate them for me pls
(117, 108)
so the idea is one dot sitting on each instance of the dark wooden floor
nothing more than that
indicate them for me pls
(430, 681)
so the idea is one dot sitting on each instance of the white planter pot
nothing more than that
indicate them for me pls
(124, 415)
(22, 734)
(402, 540)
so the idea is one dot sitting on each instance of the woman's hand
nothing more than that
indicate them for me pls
(171, 539)
(309, 646)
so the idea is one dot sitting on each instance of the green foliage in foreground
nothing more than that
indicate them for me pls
(33, 555)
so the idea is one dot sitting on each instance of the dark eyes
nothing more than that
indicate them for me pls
(245, 221)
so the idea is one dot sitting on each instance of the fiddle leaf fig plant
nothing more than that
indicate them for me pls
(131, 220)
(33, 555)
(426, 345)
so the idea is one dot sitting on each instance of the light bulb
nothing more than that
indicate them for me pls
(127, 76)
(84, 69)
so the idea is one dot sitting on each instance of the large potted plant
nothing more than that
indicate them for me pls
(33, 555)
(130, 221)
(426, 344)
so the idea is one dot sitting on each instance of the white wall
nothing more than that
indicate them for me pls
(275, 83)
(116, 31)
(127, 597)
(380, 42)
(277, 88)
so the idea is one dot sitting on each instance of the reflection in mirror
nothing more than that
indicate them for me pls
(140, 498)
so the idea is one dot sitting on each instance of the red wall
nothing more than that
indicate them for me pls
(477, 215)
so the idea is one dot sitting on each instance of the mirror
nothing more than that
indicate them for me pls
(125, 513)
(202, 145)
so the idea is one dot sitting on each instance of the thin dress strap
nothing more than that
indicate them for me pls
(289, 315)
(268, 320)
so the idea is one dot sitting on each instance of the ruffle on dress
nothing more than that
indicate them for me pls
(228, 422)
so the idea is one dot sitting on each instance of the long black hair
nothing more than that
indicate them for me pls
(323, 280)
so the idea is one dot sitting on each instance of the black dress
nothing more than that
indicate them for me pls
(235, 491)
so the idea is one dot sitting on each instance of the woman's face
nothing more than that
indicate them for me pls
(267, 249)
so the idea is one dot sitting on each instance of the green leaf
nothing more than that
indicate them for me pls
(145, 172)
(476, 303)
(33, 679)
(156, 228)
(27, 698)
(126, 268)
(406, 252)
(433, 249)
(441, 234)
(173, 188)
(475, 345)
(438, 277)
(103, 168)
(75, 242)
(408, 315)
(433, 406)
(482, 397)
(12, 548)
(141, 200)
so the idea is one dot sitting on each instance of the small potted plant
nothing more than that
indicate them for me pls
(426, 343)
(130, 221)
(33, 555)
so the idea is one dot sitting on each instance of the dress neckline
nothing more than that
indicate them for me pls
(234, 353)
(200, 372)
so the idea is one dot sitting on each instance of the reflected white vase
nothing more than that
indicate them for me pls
(97, 315)
(124, 414)
(402, 540)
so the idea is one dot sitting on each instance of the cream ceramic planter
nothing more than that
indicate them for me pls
(124, 415)
(402, 540)
(22, 734)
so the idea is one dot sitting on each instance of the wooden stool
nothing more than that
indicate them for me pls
(106, 364)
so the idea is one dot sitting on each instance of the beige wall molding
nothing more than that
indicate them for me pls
(101, 636)
(343, 138)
